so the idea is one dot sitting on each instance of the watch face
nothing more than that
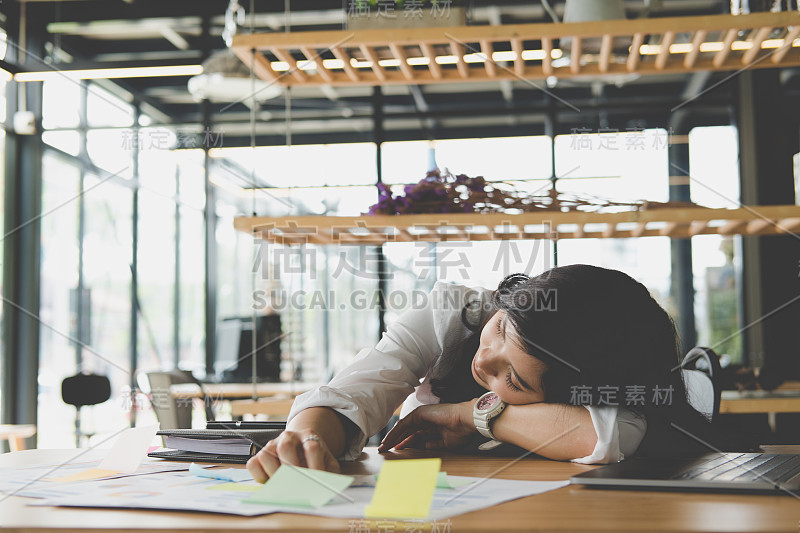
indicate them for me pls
(487, 400)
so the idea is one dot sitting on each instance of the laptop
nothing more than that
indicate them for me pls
(717, 472)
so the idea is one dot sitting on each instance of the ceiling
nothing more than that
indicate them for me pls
(117, 33)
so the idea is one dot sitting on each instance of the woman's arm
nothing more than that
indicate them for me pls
(295, 448)
(552, 430)
(555, 431)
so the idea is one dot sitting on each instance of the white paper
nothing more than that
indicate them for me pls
(183, 491)
(176, 491)
(130, 449)
(33, 480)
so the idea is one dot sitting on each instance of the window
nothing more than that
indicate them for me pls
(2, 190)
(59, 356)
(156, 281)
(622, 166)
(107, 249)
(716, 259)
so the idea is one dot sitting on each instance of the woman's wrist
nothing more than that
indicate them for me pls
(323, 422)
(466, 410)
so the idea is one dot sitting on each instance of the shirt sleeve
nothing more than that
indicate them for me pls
(369, 389)
(619, 433)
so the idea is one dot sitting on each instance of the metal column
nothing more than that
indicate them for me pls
(681, 276)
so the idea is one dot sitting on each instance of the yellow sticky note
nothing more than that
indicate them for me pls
(91, 473)
(404, 489)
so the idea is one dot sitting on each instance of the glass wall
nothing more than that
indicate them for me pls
(3, 82)
(716, 259)
(625, 166)
(59, 281)
(326, 296)
(170, 200)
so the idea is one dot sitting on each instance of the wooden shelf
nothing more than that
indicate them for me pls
(669, 222)
(523, 51)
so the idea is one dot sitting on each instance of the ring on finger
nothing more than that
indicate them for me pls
(311, 437)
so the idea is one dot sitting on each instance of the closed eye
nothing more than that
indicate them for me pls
(511, 383)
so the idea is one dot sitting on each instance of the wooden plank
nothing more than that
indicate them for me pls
(758, 225)
(506, 32)
(633, 53)
(639, 230)
(663, 54)
(458, 51)
(489, 64)
(744, 404)
(312, 55)
(268, 406)
(547, 49)
(605, 52)
(519, 62)
(698, 39)
(680, 223)
(575, 55)
(732, 227)
(259, 63)
(400, 55)
(423, 77)
(433, 66)
(287, 58)
(791, 35)
(698, 227)
(722, 55)
(372, 57)
(789, 225)
(756, 41)
(344, 57)
(672, 228)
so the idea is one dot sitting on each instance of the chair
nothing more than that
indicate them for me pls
(16, 435)
(701, 374)
(84, 389)
(170, 412)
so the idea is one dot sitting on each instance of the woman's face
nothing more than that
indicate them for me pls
(500, 365)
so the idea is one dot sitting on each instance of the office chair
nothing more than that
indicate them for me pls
(171, 413)
(701, 373)
(81, 390)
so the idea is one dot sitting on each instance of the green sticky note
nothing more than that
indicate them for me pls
(443, 481)
(404, 489)
(300, 487)
(239, 487)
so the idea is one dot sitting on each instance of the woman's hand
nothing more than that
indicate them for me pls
(297, 448)
(438, 426)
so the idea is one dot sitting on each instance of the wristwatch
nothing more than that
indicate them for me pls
(487, 407)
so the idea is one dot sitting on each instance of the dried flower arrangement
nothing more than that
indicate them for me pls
(442, 192)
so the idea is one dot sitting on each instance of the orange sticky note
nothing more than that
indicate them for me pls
(404, 489)
(91, 473)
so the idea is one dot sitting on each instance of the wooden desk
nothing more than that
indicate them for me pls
(265, 406)
(759, 401)
(571, 508)
(269, 406)
(232, 391)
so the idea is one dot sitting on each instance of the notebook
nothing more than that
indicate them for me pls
(229, 445)
(748, 472)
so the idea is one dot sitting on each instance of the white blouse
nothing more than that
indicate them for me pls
(371, 388)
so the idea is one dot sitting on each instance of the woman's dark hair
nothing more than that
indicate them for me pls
(603, 340)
